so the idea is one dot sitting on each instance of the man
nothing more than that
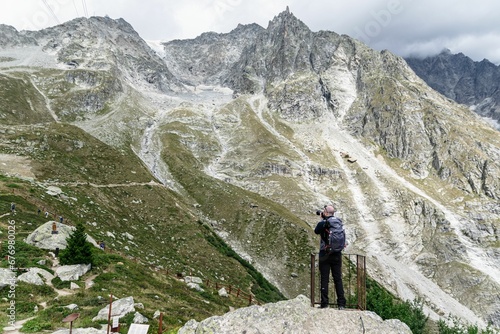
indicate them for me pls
(330, 256)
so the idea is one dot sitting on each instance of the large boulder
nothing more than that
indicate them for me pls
(35, 275)
(72, 272)
(119, 308)
(43, 237)
(295, 316)
(7, 276)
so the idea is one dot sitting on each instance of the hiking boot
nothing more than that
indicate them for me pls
(341, 307)
(323, 306)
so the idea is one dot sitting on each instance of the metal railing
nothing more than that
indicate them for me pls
(353, 277)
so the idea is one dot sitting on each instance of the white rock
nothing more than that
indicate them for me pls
(139, 318)
(36, 276)
(72, 272)
(53, 190)
(195, 286)
(128, 236)
(31, 277)
(7, 276)
(193, 279)
(119, 308)
(223, 293)
(72, 307)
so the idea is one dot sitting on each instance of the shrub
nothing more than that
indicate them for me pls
(35, 325)
(59, 284)
(387, 306)
(78, 251)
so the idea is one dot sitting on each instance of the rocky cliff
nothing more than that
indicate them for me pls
(472, 83)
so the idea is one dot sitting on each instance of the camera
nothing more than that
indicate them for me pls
(320, 213)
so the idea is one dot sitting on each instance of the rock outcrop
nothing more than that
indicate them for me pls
(295, 316)
(72, 272)
(43, 236)
(119, 308)
(36, 276)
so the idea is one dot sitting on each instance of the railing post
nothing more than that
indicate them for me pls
(313, 275)
(361, 281)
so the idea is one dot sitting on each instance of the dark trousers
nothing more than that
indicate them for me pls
(332, 263)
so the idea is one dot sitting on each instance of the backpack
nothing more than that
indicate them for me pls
(334, 236)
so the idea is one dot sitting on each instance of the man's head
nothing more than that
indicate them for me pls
(329, 211)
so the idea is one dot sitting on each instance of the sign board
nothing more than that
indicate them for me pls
(138, 329)
(72, 317)
(116, 322)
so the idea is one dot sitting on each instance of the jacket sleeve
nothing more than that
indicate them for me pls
(320, 227)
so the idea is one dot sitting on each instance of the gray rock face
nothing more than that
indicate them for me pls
(130, 53)
(210, 56)
(460, 78)
(10, 37)
(294, 316)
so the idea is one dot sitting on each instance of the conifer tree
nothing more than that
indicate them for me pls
(78, 250)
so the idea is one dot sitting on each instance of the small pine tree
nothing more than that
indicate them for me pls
(78, 250)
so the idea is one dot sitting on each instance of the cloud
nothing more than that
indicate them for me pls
(401, 26)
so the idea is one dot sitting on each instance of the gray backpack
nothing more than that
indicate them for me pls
(335, 236)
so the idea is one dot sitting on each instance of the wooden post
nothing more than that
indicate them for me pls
(109, 313)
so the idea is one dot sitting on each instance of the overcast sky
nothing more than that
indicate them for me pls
(401, 26)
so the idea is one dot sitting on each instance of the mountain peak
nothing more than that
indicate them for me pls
(286, 19)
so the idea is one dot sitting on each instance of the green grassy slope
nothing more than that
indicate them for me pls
(112, 193)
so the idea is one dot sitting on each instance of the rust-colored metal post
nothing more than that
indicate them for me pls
(361, 281)
(160, 326)
(313, 275)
